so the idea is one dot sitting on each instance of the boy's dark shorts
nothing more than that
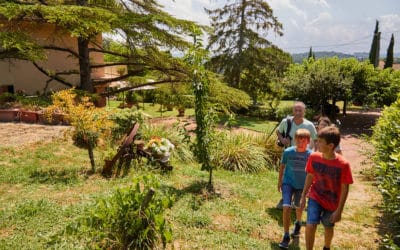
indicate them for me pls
(287, 192)
(316, 214)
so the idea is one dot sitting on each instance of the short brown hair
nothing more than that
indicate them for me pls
(302, 133)
(330, 134)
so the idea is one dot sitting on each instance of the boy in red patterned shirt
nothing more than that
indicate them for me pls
(326, 185)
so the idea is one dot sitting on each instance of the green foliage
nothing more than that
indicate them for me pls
(375, 46)
(383, 88)
(131, 217)
(239, 152)
(124, 119)
(262, 72)
(147, 28)
(389, 55)
(237, 27)
(7, 97)
(175, 95)
(226, 98)
(90, 123)
(19, 46)
(205, 117)
(317, 81)
(386, 138)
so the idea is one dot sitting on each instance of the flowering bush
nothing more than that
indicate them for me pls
(160, 147)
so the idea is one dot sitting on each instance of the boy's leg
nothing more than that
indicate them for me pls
(296, 200)
(286, 219)
(329, 231)
(286, 196)
(287, 192)
(299, 212)
(328, 226)
(310, 235)
(313, 219)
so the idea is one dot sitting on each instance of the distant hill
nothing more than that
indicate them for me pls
(298, 57)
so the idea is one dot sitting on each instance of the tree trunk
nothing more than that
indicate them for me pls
(210, 185)
(345, 107)
(91, 156)
(84, 65)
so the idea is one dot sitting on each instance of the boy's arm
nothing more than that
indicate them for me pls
(337, 215)
(281, 169)
(307, 185)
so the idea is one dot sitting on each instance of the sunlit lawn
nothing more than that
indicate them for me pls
(253, 123)
(44, 188)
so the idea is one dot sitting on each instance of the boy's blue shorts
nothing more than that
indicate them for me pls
(287, 192)
(316, 214)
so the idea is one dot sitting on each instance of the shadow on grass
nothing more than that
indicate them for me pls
(294, 244)
(388, 229)
(54, 176)
(199, 190)
(276, 214)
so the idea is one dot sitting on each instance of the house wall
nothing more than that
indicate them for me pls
(24, 76)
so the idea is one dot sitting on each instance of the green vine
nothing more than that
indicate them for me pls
(205, 117)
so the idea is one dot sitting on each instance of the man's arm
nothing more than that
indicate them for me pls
(285, 141)
(337, 215)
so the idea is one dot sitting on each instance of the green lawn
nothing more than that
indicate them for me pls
(43, 188)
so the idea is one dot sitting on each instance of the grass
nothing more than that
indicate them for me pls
(44, 187)
(153, 110)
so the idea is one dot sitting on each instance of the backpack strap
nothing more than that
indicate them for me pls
(289, 126)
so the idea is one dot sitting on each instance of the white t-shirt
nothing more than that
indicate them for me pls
(305, 124)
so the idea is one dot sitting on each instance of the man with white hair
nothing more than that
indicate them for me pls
(297, 121)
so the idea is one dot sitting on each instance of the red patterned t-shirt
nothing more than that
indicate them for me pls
(328, 176)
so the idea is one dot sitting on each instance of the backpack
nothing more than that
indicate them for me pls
(288, 128)
(286, 134)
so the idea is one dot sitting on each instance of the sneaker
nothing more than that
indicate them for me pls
(296, 230)
(285, 242)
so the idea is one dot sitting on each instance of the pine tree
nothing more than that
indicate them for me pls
(389, 56)
(145, 26)
(237, 26)
(375, 47)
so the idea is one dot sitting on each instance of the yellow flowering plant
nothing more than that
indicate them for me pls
(90, 123)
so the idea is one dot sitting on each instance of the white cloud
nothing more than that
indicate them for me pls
(287, 5)
(321, 18)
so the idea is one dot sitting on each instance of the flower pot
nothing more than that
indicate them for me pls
(29, 116)
(9, 115)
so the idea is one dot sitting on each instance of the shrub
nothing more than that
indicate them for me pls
(124, 120)
(239, 152)
(90, 123)
(130, 218)
(386, 138)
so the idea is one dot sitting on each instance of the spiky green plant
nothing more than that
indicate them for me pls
(239, 152)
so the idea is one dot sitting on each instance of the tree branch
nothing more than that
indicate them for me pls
(116, 63)
(108, 52)
(51, 47)
(55, 77)
(108, 93)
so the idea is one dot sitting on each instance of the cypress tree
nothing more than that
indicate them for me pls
(374, 52)
(389, 56)
(311, 54)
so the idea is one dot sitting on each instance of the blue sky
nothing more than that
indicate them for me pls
(327, 25)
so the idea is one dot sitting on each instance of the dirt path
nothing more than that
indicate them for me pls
(363, 199)
(21, 134)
